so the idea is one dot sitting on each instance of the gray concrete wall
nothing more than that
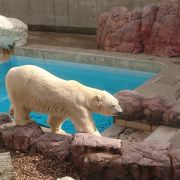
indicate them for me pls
(68, 13)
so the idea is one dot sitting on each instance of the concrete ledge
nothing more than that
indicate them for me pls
(166, 134)
(87, 56)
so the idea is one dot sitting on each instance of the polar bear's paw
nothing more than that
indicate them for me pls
(61, 132)
(23, 123)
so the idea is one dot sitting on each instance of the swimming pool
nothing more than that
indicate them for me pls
(102, 77)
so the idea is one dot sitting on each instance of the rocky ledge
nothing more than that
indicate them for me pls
(155, 110)
(154, 29)
(98, 157)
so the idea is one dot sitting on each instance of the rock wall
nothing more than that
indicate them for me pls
(97, 157)
(154, 29)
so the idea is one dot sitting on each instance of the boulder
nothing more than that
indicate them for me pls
(85, 144)
(53, 145)
(142, 161)
(172, 117)
(12, 31)
(131, 103)
(164, 34)
(21, 137)
(120, 30)
(155, 107)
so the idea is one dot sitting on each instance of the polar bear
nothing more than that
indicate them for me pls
(31, 88)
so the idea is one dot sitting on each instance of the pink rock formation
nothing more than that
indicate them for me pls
(172, 117)
(155, 107)
(131, 103)
(53, 145)
(99, 157)
(21, 137)
(164, 33)
(154, 29)
(120, 30)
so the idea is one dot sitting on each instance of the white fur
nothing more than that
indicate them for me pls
(31, 88)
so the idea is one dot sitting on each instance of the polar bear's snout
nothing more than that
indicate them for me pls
(117, 109)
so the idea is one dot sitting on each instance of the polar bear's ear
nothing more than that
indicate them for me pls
(98, 98)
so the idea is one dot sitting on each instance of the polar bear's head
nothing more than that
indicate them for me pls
(106, 104)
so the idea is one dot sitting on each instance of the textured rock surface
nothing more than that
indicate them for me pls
(120, 30)
(142, 161)
(148, 17)
(175, 159)
(12, 31)
(84, 145)
(172, 117)
(164, 36)
(131, 103)
(21, 137)
(155, 107)
(54, 146)
(99, 157)
(153, 29)
(153, 110)
(5, 118)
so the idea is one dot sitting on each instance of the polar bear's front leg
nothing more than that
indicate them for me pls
(84, 123)
(55, 124)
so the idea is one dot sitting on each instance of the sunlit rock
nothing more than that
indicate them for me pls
(13, 33)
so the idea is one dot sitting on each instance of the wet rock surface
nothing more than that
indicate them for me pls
(153, 29)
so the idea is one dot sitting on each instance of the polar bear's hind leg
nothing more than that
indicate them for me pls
(21, 116)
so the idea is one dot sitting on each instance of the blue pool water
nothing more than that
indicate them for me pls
(101, 77)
